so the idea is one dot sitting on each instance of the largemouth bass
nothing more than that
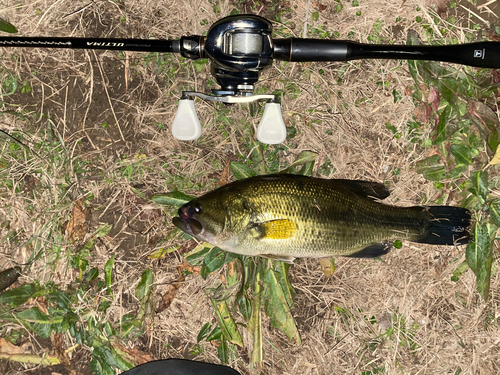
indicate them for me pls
(284, 217)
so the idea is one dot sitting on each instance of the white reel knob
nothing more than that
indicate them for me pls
(271, 129)
(186, 125)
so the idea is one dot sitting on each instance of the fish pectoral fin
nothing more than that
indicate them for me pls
(369, 189)
(283, 258)
(373, 251)
(280, 229)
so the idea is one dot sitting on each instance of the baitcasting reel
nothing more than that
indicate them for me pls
(240, 47)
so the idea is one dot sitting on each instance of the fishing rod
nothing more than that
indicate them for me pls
(240, 47)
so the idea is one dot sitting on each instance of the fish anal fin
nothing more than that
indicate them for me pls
(369, 189)
(373, 251)
(280, 229)
(282, 258)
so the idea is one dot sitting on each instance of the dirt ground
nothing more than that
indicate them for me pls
(113, 110)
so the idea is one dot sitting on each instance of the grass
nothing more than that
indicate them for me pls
(93, 293)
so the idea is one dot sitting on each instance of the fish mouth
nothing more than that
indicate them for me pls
(187, 223)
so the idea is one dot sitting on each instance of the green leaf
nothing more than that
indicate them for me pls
(305, 158)
(62, 299)
(495, 212)
(487, 120)
(255, 322)
(212, 262)
(87, 246)
(192, 259)
(227, 324)
(432, 168)
(480, 185)
(143, 289)
(37, 321)
(112, 358)
(92, 274)
(462, 154)
(108, 270)
(281, 270)
(462, 267)
(240, 170)
(216, 334)
(17, 296)
(479, 255)
(7, 27)
(277, 307)
(203, 332)
(103, 230)
(223, 351)
(174, 198)
(443, 128)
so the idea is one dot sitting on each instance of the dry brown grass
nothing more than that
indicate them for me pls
(454, 330)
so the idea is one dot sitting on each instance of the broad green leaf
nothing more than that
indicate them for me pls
(18, 296)
(174, 198)
(203, 332)
(212, 262)
(198, 255)
(7, 27)
(487, 120)
(99, 366)
(480, 185)
(304, 158)
(479, 255)
(281, 272)
(103, 230)
(240, 170)
(38, 322)
(495, 212)
(258, 157)
(432, 168)
(108, 270)
(129, 327)
(92, 274)
(62, 299)
(216, 334)
(277, 307)
(89, 245)
(227, 324)
(223, 351)
(462, 154)
(143, 289)
(443, 129)
(307, 169)
(112, 358)
(462, 267)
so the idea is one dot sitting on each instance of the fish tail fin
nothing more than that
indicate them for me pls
(446, 226)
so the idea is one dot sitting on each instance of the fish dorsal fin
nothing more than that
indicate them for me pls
(374, 250)
(369, 189)
(282, 258)
(280, 229)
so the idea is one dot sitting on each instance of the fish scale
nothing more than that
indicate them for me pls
(288, 216)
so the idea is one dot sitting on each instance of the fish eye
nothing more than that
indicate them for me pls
(197, 207)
